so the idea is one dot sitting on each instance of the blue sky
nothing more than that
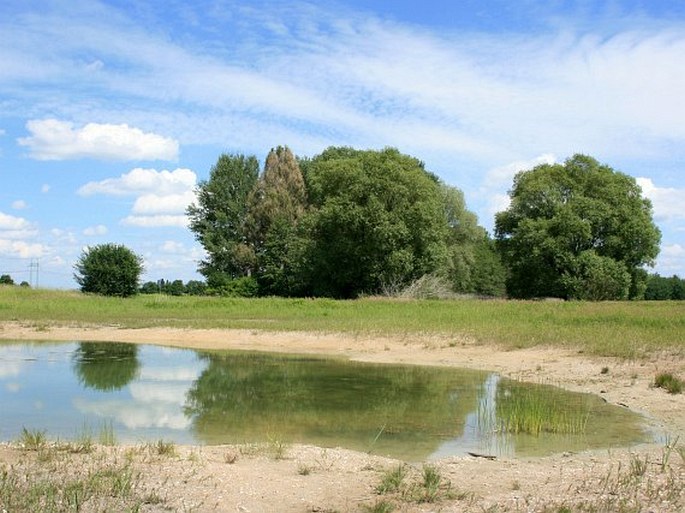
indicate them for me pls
(111, 112)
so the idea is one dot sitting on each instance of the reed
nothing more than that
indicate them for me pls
(530, 409)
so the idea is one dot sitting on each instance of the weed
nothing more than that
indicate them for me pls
(107, 436)
(668, 382)
(304, 470)
(162, 448)
(32, 440)
(392, 480)
(433, 486)
(605, 370)
(278, 448)
(230, 457)
(382, 506)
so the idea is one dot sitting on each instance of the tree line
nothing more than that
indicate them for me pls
(353, 222)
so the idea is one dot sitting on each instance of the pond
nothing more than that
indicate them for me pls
(146, 393)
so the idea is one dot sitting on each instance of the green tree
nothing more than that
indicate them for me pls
(577, 230)
(6, 279)
(109, 269)
(378, 221)
(473, 265)
(218, 217)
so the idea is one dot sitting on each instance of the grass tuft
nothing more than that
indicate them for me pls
(669, 382)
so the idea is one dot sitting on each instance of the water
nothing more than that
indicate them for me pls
(147, 393)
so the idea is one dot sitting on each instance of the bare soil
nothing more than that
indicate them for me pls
(312, 479)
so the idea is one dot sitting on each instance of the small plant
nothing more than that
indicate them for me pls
(230, 457)
(668, 382)
(107, 436)
(433, 487)
(304, 470)
(32, 440)
(380, 507)
(162, 448)
(278, 448)
(392, 480)
(605, 370)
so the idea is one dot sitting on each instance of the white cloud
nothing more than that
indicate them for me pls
(19, 205)
(162, 196)
(141, 181)
(52, 139)
(12, 227)
(45, 188)
(99, 229)
(150, 204)
(156, 221)
(21, 248)
(671, 260)
(499, 180)
(667, 201)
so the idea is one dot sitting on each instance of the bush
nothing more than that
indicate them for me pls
(668, 382)
(109, 270)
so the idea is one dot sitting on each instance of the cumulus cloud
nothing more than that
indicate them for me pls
(671, 260)
(161, 196)
(151, 204)
(140, 181)
(52, 139)
(156, 221)
(99, 229)
(499, 180)
(667, 201)
(12, 227)
(21, 248)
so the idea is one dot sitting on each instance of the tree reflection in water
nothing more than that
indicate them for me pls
(106, 366)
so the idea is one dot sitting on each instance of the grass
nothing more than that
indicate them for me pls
(625, 329)
(535, 409)
(669, 382)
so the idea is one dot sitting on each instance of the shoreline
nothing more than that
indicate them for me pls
(313, 479)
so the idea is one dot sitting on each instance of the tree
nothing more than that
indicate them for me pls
(275, 207)
(377, 222)
(218, 218)
(109, 269)
(6, 279)
(106, 366)
(576, 230)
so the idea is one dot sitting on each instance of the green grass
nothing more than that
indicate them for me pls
(536, 409)
(669, 382)
(624, 329)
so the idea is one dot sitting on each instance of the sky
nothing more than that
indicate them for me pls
(111, 112)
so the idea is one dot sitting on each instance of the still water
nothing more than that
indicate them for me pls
(147, 393)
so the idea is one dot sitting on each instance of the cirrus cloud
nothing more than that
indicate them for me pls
(52, 139)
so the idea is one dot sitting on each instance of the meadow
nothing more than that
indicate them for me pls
(625, 329)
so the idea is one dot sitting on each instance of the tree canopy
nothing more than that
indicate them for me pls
(343, 223)
(109, 269)
(577, 230)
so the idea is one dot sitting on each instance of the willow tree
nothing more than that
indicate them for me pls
(578, 230)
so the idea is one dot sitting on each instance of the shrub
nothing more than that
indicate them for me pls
(109, 270)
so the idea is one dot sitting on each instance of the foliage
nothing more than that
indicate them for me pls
(662, 288)
(576, 230)
(6, 279)
(218, 217)
(378, 221)
(109, 270)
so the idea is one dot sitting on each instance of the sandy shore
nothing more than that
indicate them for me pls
(204, 478)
